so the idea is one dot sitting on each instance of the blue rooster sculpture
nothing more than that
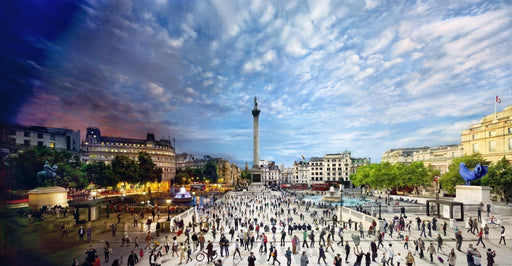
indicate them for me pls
(469, 176)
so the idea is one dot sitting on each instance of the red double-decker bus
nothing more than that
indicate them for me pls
(196, 186)
(300, 186)
(320, 186)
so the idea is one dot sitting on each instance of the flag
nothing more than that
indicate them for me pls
(303, 157)
(498, 99)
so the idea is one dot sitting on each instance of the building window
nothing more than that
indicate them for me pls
(52, 145)
(510, 144)
(492, 145)
(492, 133)
(39, 135)
(26, 142)
(52, 137)
(12, 141)
(475, 136)
(40, 143)
(510, 130)
(26, 134)
(12, 132)
(475, 147)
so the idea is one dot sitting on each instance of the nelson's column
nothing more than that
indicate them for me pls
(256, 171)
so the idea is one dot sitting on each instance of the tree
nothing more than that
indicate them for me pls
(452, 178)
(100, 174)
(499, 178)
(22, 169)
(148, 171)
(125, 169)
(210, 172)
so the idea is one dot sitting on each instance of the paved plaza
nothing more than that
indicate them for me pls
(264, 206)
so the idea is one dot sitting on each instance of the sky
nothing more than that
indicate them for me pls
(363, 76)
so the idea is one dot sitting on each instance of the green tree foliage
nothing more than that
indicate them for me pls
(181, 178)
(100, 174)
(210, 172)
(452, 178)
(246, 175)
(499, 178)
(125, 170)
(22, 169)
(148, 172)
(386, 175)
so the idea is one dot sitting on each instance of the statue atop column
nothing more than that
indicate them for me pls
(255, 110)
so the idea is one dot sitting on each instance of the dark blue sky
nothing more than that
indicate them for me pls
(364, 76)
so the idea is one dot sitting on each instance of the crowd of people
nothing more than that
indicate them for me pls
(276, 228)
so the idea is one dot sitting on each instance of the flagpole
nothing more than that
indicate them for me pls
(495, 116)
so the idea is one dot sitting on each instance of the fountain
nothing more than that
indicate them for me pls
(332, 196)
(183, 196)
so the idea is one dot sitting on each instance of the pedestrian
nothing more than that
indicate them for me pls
(409, 259)
(274, 256)
(304, 259)
(237, 249)
(359, 255)
(251, 259)
(64, 229)
(75, 262)
(406, 242)
(89, 234)
(288, 255)
(321, 254)
(106, 251)
(347, 251)
(398, 259)
(431, 251)
(390, 254)
(329, 244)
(490, 257)
(458, 238)
(480, 237)
(486, 231)
(502, 237)
(373, 248)
(452, 258)
(337, 260)
(439, 243)
(81, 233)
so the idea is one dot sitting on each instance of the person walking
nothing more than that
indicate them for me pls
(321, 254)
(480, 237)
(502, 237)
(64, 229)
(274, 257)
(106, 251)
(329, 245)
(439, 243)
(347, 251)
(305, 239)
(406, 242)
(452, 258)
(431, 251)
(237, 249)
(373, 248)
(486, 232)
(288, 255)
(390, 254)
(458, 240)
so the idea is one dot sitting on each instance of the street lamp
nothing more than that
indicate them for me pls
(144, 194)
(168, 210)
(194, 199)
(341, 204)
(380, 218)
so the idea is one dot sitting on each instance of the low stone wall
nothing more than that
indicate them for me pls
(356, 216)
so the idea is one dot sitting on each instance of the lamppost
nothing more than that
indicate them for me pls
(341, 204)
(380, 218)
(194, 199)
(168, 210)
(144, 194)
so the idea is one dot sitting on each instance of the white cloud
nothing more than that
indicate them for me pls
(377, 44)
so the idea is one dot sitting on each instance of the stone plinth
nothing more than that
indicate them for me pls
(52, 196)
(473, 194)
